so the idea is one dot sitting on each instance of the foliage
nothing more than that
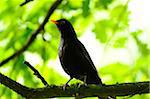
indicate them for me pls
(107, 20)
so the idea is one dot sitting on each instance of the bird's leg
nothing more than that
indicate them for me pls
(85, 77)
(64, 87)
(84, 81)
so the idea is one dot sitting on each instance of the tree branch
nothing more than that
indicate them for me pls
(34, 34)
(25, 2)
(123, 89)
(20, 89)
(36, 73)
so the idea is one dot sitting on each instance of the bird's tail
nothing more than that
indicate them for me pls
(95, 79)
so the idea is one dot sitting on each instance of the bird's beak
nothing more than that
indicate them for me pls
(55, 22)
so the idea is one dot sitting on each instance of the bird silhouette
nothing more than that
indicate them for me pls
(74, 57)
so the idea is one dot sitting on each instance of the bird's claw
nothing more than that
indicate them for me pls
(79, 85)
(65, 86)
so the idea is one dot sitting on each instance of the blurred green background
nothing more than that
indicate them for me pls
(116, 33)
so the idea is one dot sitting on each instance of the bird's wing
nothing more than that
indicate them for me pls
(85, 55)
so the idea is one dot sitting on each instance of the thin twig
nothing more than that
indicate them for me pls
(25, 2)
(36, 73)
(34, 34)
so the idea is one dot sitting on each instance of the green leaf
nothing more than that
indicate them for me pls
(101, 30)
(105, 3)
(143, 47)
(120, 42)
(116, 71)
(85, 8)
(119, 17)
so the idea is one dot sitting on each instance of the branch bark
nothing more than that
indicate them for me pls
(25, 2)
(123, 89)
(34, 34)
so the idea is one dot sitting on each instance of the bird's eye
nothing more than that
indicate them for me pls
(62, 22)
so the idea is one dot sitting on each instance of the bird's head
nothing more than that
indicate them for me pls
(65, 27)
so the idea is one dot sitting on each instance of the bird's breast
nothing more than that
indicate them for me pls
(68, 57)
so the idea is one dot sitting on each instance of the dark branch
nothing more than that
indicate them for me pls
(36, 73)
(25, 2)
(123, 89)
(34, 34)
(20, 89)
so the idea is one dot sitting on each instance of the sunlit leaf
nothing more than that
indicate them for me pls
(142, 46)
(120, 42)
(101, 31)
(116, 72)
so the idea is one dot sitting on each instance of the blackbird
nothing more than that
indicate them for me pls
(74, 57)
